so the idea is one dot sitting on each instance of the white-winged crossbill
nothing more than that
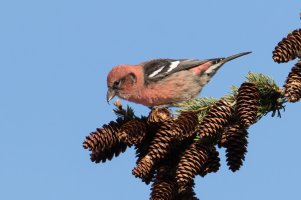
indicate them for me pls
(163, 81)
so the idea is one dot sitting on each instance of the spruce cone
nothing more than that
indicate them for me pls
(185, 124)
(104, 143)
(103, 138)
(142, 148)
(163, 141)
(212, 164)
(182, 127)
(141, 152)
(164, 186)
(133, 132)
(187, 192)
(224, 137)
(293, 84)
(288, 48)
(190, 163)
(107, 154)
(158, 115)
(235, 141)
(158, 149)
(162, 190)
(247, 103)
(144, 168)
(214, 122)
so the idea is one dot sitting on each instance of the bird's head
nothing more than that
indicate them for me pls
(121, 81)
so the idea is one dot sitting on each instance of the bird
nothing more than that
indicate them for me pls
(163, 82)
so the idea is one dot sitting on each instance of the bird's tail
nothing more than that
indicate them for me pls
(235, 56)
(216, 64)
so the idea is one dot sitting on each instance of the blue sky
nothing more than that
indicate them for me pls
(54, 58)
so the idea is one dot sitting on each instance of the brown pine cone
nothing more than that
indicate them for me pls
(293, 84)
(288, 48)
(102, 138)
(157, 150)
(214, 122)
(192, 160)
(107, 154)
(247, 103)
(104, 143)
(164, 186)
(162, 190)
(234, 139)
(133, 131)
(163, 141)
(158, 115)
(185, 125)
(212, 164)
(141, 152)
(182, 127)
(186, 192)
(144, 169)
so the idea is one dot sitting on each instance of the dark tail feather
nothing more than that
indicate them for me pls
(235, 56)
(217, 63)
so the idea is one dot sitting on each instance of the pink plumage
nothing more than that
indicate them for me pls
(163, 81)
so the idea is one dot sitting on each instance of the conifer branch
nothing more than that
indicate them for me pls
(172, 148)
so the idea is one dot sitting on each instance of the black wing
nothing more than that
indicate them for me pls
(157, 69)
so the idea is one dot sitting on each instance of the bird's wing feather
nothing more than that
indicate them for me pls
(155, 70)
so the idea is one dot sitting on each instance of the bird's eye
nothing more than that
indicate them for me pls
(116, 84)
